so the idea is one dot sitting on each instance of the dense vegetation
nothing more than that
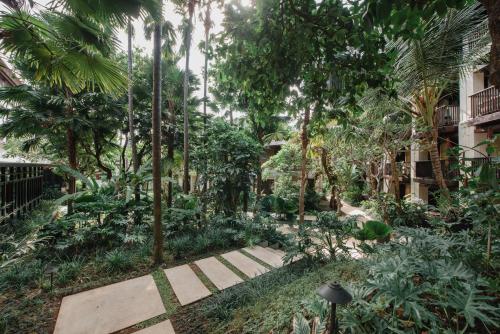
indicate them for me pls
(151, 181)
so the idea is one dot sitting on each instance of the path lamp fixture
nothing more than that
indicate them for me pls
(334, 293)
(51, 270)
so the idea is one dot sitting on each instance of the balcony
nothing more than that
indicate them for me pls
(475, 163)
(448, 115)
(425, 174)
(403, 169)
(485, 102)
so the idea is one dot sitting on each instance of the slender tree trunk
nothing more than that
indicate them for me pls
(122, 154)
(170, 151)
(303, 168)
(205, 73)
(432, 141)
(331, 178)
(156, 117)
(493, 10)
(373, 179)
(185, 182)
(205, 98)
(73, 164)
(231, 121)
(395, 180)
(135, 162)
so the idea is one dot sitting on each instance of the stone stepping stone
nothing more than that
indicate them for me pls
(219, 274)
(308, 218)
(245, 264)
(187, 286)
(110, 308)
(266, 255)
(164, 327)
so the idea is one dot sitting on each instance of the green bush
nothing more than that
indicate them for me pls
(117, 260)
(21, 275)
(69, 271)
(419, 282)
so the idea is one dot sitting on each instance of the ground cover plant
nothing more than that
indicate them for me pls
(301, 110)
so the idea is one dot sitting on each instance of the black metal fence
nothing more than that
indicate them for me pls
(22, 186)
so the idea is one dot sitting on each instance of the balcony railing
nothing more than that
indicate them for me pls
(448, 115)
(424, 169)
(478, 162)
(22, 186)
(485, 102)
(478, 37)
(402, 166)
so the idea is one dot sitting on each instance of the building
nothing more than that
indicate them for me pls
(466, 118)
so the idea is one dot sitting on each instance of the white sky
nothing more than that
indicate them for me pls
(197, 59)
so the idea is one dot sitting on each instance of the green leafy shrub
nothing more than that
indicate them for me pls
(18, 276)
(117, 260)
(69, 271)
(322, 238)
(373, 230)
(417, 283)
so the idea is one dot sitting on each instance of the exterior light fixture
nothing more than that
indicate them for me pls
(334, 293)
(51, 270)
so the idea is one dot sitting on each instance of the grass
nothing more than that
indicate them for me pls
(167, 296)
(232, 268)
(204, 279)
(267, 304)
(256, 259)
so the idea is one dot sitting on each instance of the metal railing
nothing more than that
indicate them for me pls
(478, 37)
(475, 163)
(424, 169)
(402, 166)
(485, 102)
(21, 187)
(448, 115)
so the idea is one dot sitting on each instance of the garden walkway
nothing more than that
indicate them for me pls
(121, 305)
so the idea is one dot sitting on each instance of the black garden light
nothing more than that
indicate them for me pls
(335, 294)
(51, 270)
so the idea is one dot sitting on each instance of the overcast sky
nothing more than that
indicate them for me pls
(170, 14)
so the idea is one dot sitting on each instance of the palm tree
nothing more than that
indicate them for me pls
(426, 66)
(187, 47)
(156, 124)
(71, 54)
(304, 139)
(133, 146)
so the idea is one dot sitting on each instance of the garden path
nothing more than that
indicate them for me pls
(118, 306)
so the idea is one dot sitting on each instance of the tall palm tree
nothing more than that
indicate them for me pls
(430, 64)
(70, 54)
(130, 107)
(156, 140)
(187, 46)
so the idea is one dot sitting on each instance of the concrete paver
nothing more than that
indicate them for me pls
(164, 327)
(218, 273)
(110, 308)
(246, 265)
(186, 285)
(266, 255)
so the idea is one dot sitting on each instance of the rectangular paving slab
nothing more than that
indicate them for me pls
(110, 308)
(186, 285)
(266, 255)
(245, 264)
(164, 327)
(219, 274)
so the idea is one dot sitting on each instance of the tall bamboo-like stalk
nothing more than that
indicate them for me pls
(156, 140)
(185, 182)
(133, 146)
(303, 169)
